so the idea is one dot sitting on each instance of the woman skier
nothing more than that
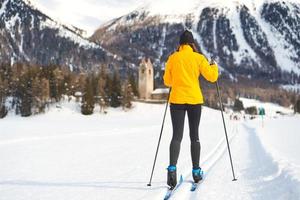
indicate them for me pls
(182, 72)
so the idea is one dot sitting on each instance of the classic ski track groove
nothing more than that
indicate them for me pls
(212, 158)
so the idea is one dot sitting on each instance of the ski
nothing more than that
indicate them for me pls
(195, 185)
(172, 190)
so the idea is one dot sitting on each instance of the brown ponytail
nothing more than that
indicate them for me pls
(193, 46)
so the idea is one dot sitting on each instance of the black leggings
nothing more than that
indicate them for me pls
(177, 115)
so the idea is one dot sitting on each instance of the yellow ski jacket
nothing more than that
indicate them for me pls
(182, 72)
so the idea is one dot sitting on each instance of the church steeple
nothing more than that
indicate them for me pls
(146, 82)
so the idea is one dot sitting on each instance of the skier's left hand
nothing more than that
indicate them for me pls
(212, 62)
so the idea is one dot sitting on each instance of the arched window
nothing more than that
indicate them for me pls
(150, 71)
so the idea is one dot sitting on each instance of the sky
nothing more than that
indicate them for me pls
(86, 14)
(90, 14)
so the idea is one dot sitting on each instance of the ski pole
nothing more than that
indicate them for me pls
(161, 130)
(221, 107)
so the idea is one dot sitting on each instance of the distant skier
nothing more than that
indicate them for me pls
(182, 72)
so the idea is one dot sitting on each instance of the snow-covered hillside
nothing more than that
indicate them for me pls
(28, 35)
(255, 39)
(65, 155)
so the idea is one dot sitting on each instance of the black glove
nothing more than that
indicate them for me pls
(212, 62)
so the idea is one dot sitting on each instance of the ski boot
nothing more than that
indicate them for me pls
(172, 177)
(197, 174)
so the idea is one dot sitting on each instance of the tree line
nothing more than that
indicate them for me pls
(30, 89)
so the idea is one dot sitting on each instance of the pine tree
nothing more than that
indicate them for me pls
(67, 84)
(56, 84)
(25, 94)
(115, 93)
(132, 82)
(108, 88)
(59, 83)
(297, 106)
(37, 95)
(238, 105)
(127, 95)
(3, 109)
(80, 82)
(88, 103)
(52, 84)
(45, 93)
(102, 81)
(94, 81)
(40, 94)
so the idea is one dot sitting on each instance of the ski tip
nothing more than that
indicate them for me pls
(167, 197)
(181, 178)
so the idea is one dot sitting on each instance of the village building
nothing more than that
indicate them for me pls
(146, 84)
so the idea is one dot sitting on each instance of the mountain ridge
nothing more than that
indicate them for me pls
(256, 40)
(245, 41)
(28, 35)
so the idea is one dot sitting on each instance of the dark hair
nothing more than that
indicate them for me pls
(186, 38)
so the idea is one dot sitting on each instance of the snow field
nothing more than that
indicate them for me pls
(64, 155)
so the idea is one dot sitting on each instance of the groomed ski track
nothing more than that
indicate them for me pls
(259, 176)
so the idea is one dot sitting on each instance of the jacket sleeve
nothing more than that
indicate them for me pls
(209, 72)
(168, 75)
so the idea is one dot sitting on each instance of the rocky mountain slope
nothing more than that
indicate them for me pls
(28, 35)
(256, 40)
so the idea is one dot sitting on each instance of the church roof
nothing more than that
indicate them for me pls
(161, 91)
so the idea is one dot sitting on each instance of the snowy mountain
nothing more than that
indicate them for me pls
(257, 40)
(28, 35)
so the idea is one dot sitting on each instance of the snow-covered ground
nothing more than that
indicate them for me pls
(63, 155)
(271, 108)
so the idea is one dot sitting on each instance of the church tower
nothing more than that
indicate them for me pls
(146, 79)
